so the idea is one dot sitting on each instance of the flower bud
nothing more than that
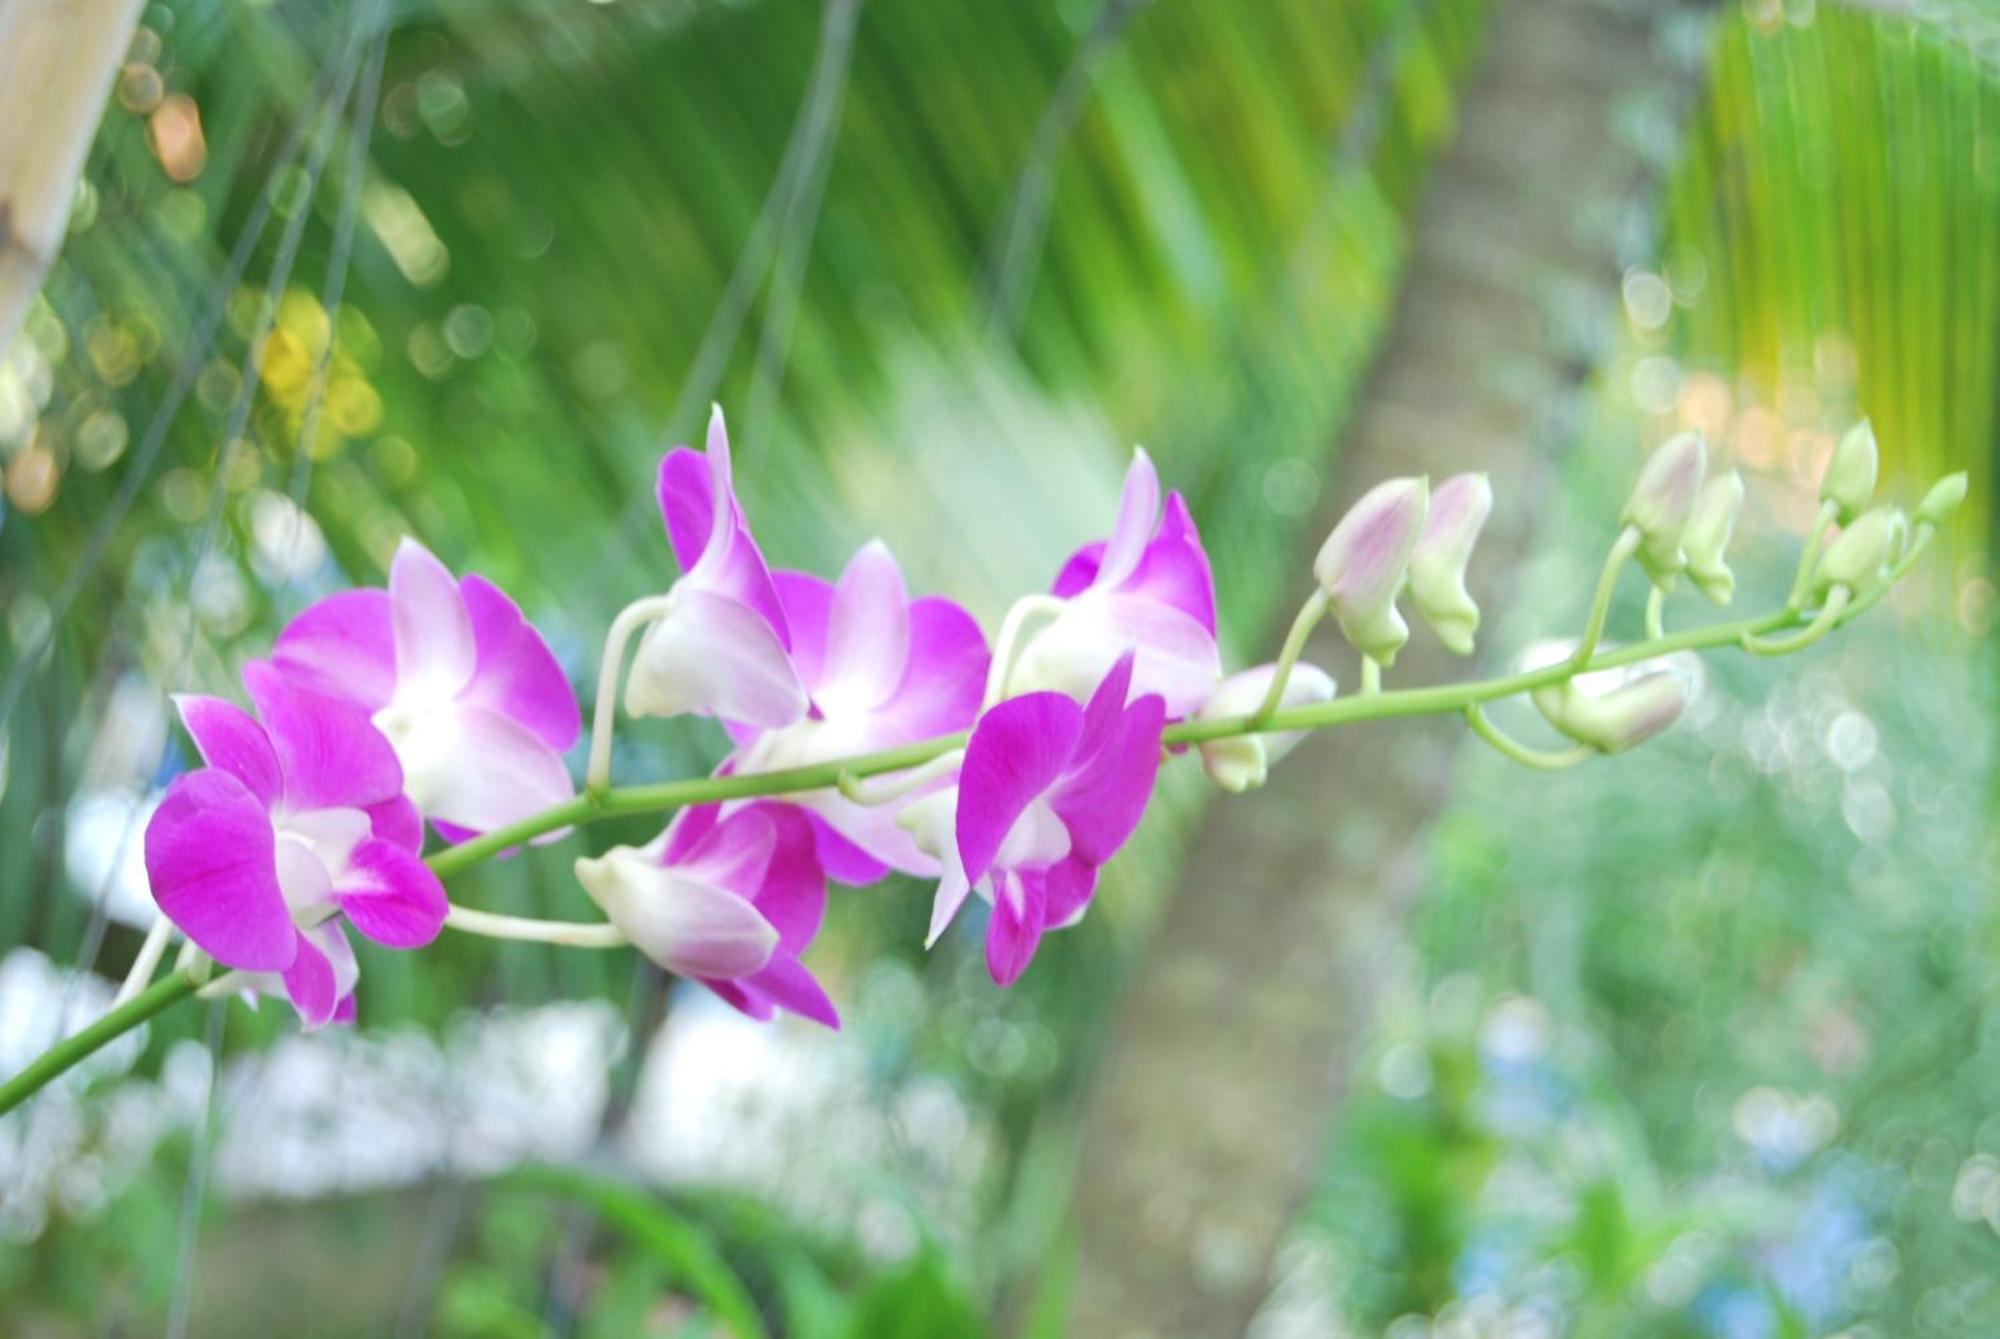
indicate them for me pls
(1458, 512)
(1863, 549)
(681, 922)
(1662, 502)
(1849, 480)
(1943, 499)
(1242, 762)
(1364, 562)
(1708, 533)
(1612, 722)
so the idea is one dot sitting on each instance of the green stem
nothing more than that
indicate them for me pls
(1656, 610)
(1543, 759)
(73, 1049)
(1309, 616)
(1809, 556)
(1824, 622)
(1371, 677)
(1621, 553)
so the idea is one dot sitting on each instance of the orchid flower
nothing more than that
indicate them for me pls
(719, 644)
(730, 901)
(882, 670)
(295, 821)
(465, 689)
(1147, 588)
(1047, 793)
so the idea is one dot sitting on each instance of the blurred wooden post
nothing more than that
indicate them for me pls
(57, 60)
(1238, 1034)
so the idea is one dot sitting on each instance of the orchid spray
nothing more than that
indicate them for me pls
(869, 730)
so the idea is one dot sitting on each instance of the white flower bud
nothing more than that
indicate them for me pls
(1242, 762)
(1662, 502)
(1458, 512)
(684, 924)
(1849, 480)
(1944, 499)
(1365, 561)
(1862, 550)
(1612, 722)
(1708, 533)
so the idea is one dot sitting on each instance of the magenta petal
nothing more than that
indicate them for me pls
(345, 1012)
(331, 754)
(396, 821)
(516, 675)
(686, 490)
(434, 646)
(716, 655)
(793, 894)
(211, 857)
(844, 861)
(1079, 574)
(310, 983)
(944, 679)
(808, 604)
(1175, 569)
(1104, 800)
(1070, 885)
(391, 896)
(1019, 906)
(1138, 508)
(1177, 657)
(345, 646)
(1015, 753)
(868, 630)
(736, 853)
(1106, 706)
(786, 983)
(230, 738)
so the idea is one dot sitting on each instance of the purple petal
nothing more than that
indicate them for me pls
(873, 831)
(396, 821)
(1019, 907)
(686, 490)
(952, 890)
(211, 858)
(1106, 706)
(230, 738)
(391, 896)
(516, 675)
(345, 1012)
(868, 631)
(310, 983)
(715, 655)
(434, 645)
(1103, 801)
(1017, 750)
(1079, 574)
(330, 753)
(500, 772)
(345, 646)
(1174, 570)
(1138, 509)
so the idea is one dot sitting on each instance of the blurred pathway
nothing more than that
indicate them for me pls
(1236, 1036)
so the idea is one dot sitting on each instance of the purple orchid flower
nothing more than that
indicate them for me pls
(730, 901)
(882, 670)
(1048, 792)
(1146, 588)
(295, 821)
(465, 689)
(722, 647)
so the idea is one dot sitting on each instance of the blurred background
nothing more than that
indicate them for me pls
(1697, 1042)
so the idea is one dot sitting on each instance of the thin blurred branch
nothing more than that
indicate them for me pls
(57, 59)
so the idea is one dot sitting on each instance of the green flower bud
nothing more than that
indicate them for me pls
(1849, 480)
(1612, 722)
(1943, 499)
(1662, 503)
(1242, 762)
(1863, 549)
(1708, 535)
